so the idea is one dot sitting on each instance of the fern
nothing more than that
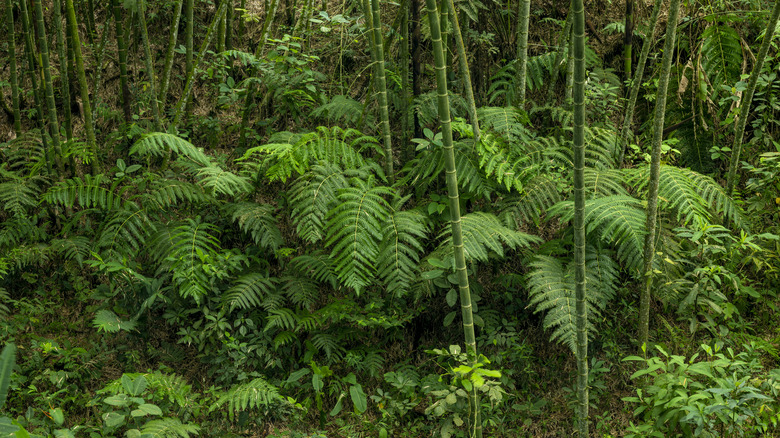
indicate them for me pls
(4, 296)
(25, 154)
(605, 182)
(168, 428)
(503, 164)
(509, 122)
(715, 196)
(399, 254)
(91, 191)
(19, 194)
(259, 221)
(76, 248)
(340, 109)
(551, 290)
(355, 230)
(172, 387)
(426, 168)
(249, 291)
(721, 55)
(334, 145)
(484, 234)
(218, 181)
(311, 196)
(317, 266)
(160, 144)
(427, 109)
(537, 196)
(618, 220)
(164, 193)
(301, 291)
(126, 231)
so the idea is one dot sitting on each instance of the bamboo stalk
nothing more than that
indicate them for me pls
(12, 64)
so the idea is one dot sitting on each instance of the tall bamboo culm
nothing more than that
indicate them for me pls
(655, 172)
(452, 189)
(75, 43)
(62, 55)
(581, 307)
(562, 42)
(165, 78)
(54, 126)
(12, 64)
(381, 85)
(149, 66)
(463, 65)
(628, 118)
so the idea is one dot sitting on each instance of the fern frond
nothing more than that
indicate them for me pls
(19, 195)
(427, 108)
(168, 428)
(715, 197)
(301, 291)
(330, 145)
(329, 344)
(172, 387)
(218, 181)
(427, 166)
(355, 229)
(25, 154)
(721, 55)
(317, 266)
(259, 221)
(340, 110)
(311, 196)
(249, 291)
(256, 395)
(617, 220)
(160, 144)
(604, 182)
(126, 231)
(76, 248)
(399, 254)
(87, 192)
(502, 163)
(551, 290)
(483, 234)
(509, 122)
(165, 193)
(539, 194)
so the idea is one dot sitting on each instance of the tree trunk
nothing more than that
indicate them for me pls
(628, 39)
(122, 54)
(747, 98)
(417, 78)
(522, 52)
(655, 172)
(62, 55)
(169, 54)
(562, 39)
(149, 63)
(452, 189)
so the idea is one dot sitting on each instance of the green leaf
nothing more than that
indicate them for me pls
(7, 360)
(109, 322)
(359, 398)
(113, 419)
(147, 409)
(430, 275)
(134, 387)
(452, 297)
(120, 400)
(449, 318)
(337, 408)
(57, 416)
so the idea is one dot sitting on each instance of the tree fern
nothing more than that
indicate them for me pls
(301, 291)
(160, 144)
(617, 220)
(721, 55)
(311, 196)
(255, 395)
(551, 290)
(484, 234)
(528, 206)
(605, 182)
(316, 265)
(340, 110)
(218, 181)
(164, 193)
(168, 428)
(18, 194)
(399, 254)
(89, 191)
(509, 122)
(76, 248)
(126, 231)
(259, 221)
(424, 170)
(249, 291)
(334, 145)
(426, 107)
(503, 163)
(354, 228)
(25, 154)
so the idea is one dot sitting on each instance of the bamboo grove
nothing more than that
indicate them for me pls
(369, 218)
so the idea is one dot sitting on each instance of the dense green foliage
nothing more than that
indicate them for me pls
(258, 245)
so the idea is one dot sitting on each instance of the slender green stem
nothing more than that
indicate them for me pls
(562, 38)
(747, 98)
(463, 65)
(628, 39)
(149, 65)
(73, 41)
(169, 54)
(381, 85)
(188, 35)
(522, 51)
(62, 54)
(12, 64)
(655, 171)
(54, 126)
(37, 93)
(578, 52)
(452, 189)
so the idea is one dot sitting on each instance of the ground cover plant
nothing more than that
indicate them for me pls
(368, 218)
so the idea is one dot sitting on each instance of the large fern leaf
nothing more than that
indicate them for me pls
(249, 291)
(259, 221)
(257, 394)
(402, 244)
(354, 228)
(168, 428)
(311, 196)
(551, 290)
(160, 144)
(528, 206)
(721, 55)
(89, 191)
(484, 234)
